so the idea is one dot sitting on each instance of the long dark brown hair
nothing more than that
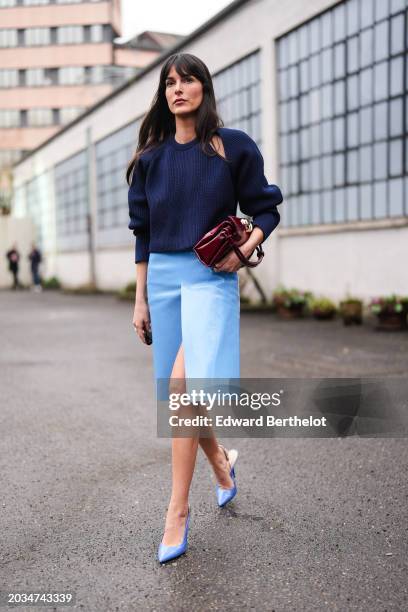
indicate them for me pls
(159, 122)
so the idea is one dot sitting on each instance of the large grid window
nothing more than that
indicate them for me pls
(33, 203)
(34, 199)
(238, 94)
(37, 205)
(19, 201)
(343, 106)
(113, 154)
(71, 193)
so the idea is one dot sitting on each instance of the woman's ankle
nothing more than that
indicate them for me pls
(219, 460)
(179, 508)
(221, 467)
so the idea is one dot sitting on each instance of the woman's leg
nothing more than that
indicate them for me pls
(209, 443)
(217, 459)
(184, 453)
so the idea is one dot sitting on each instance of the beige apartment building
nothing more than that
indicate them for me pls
(56, 60)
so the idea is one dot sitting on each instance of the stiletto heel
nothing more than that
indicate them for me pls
(226, 495)
(167, 553)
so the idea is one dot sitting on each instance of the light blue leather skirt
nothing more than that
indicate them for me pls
(189, 303)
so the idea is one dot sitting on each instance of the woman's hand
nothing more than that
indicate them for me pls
(141, 318)
(231, 261)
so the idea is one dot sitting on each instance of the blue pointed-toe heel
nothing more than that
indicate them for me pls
(226, 495)
(167, 553)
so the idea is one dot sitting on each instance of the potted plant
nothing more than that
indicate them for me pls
(247, 305)
(84, 289)
(51, 283)
(128, 292)
(322, 308)
(391, 312)
(351, 311)
(290, 303)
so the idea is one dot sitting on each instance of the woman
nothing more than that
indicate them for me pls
(186, 176)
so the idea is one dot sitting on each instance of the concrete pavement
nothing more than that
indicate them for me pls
(316, 525)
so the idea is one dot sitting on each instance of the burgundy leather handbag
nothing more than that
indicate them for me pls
(227, 235)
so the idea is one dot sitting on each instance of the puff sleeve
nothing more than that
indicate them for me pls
(256, 197)
(139, 212)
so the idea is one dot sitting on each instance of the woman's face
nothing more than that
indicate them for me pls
(187, 89)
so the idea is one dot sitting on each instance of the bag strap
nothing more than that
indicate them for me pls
(245, 260)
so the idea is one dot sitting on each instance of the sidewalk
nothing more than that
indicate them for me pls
(316, 525)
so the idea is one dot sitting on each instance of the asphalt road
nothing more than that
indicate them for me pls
(318, 524)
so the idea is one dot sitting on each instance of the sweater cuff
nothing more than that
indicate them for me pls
(267, 221)
(142, 247)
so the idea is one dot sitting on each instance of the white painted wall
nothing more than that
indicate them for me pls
(362, 263)
(115, 268)
(73, 268)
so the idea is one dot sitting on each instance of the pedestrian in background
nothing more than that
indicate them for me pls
(13, 257)
(35, 258)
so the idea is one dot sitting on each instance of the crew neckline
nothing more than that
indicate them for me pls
(182, 145)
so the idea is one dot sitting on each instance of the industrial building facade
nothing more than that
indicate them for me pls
(321, 87)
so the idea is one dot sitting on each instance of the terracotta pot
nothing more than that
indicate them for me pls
(352, 313)
(294, 312)
(392, 321)
(324, 316)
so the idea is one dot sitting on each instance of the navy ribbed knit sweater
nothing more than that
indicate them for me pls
(178, 193)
